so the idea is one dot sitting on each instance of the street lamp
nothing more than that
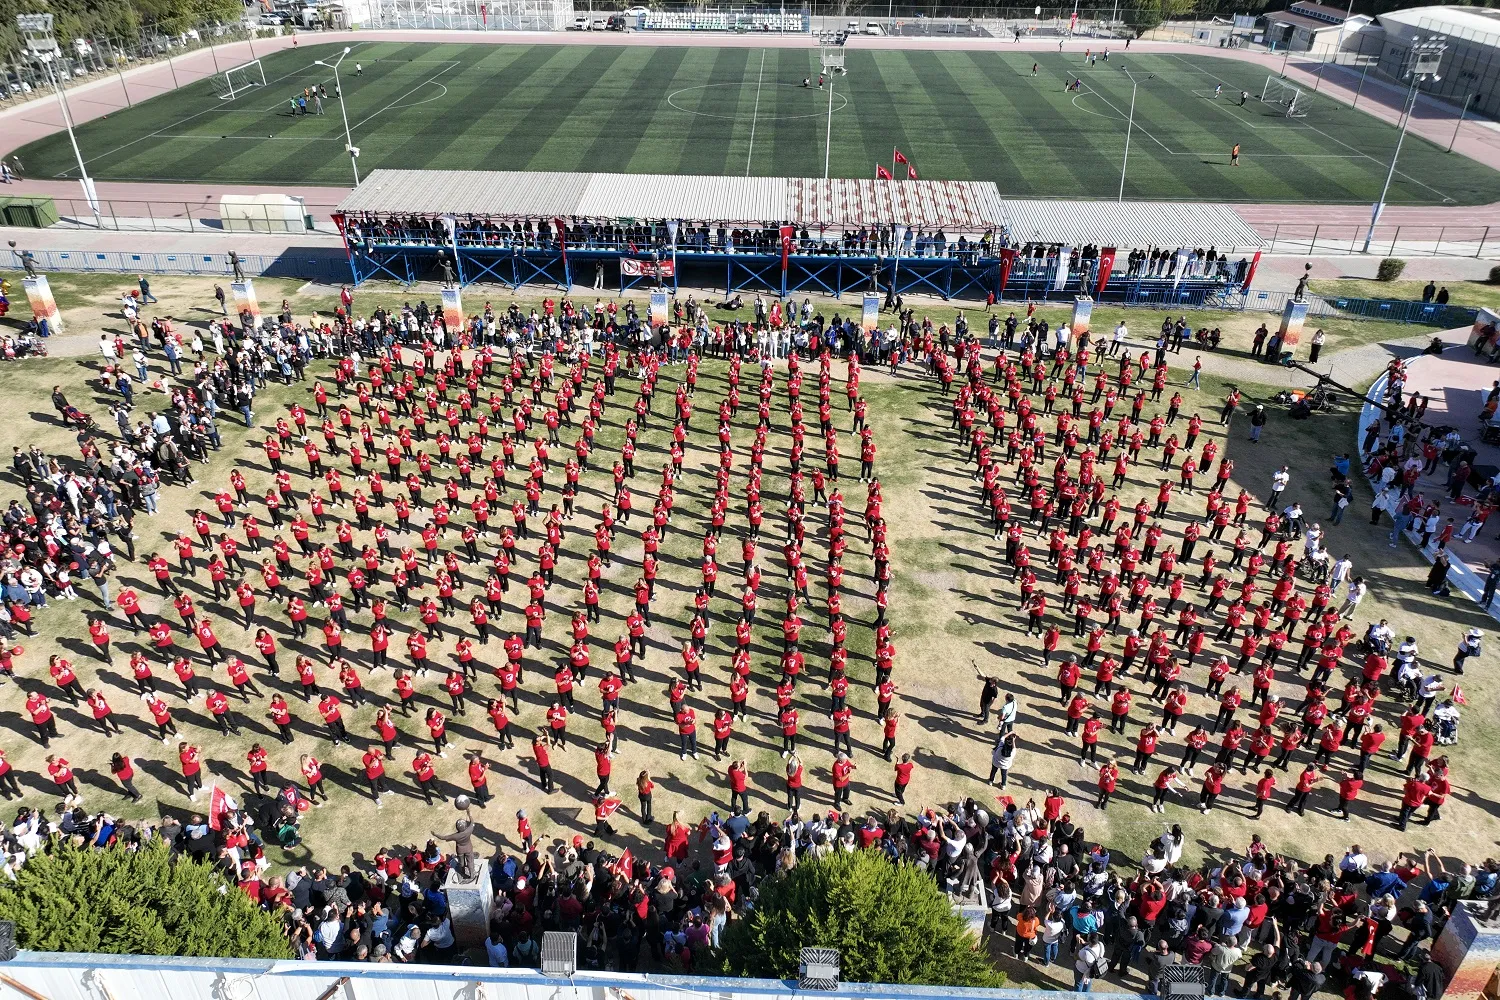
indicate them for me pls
(349, 146)
(1423, 61)
(36, 29)
(1129, 126)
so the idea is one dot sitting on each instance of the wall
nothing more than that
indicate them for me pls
(112, 977)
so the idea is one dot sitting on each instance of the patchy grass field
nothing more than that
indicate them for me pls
(950, 604)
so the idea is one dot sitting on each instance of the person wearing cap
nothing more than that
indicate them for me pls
(1470, 645)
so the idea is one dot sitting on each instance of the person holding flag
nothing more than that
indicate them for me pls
(604, 807)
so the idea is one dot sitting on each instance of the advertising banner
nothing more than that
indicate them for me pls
(659, 307)
(871, 316)
(245, 301)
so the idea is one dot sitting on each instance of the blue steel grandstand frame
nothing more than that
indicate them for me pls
(945, 271)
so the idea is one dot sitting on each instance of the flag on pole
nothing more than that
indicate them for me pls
(882, 174)
(900, 157)
(787, 233)
(562, 239)
(911, 172)
(218, 805)
(1007, 261)
(1106, 265)
(623, 866)
(1250, 274)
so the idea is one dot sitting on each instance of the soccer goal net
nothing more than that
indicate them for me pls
(1292, 100)
(235, 81)
(831, 59)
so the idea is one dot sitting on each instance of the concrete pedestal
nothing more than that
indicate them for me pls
(469, 902)
(1469, 952)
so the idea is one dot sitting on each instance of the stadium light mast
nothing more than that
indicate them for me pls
(1423, 61)
(349, 146)
(36, 29)
(1129, 126)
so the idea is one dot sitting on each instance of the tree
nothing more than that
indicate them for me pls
(889, 922)
(142, 902)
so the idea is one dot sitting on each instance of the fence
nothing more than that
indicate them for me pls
(1387, 241)
(123, 215)
(312, 265)
(84, 58)
(1390, 310)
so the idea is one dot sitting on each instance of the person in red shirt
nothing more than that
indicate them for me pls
(191, 759)
(1305, 782)
(903, 777)
(1109, 776)
(479, 778)
(62, 777)
(313, 772)
(1413, 795)
(1349, 787)
(258, 763)
(374, 765)
(120, 765)
(843, 767)
(543, 762)
(1263, 789)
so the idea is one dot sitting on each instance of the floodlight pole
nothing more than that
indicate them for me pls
(1129, 126)
(348, 142)
(1409, 106)
(36, 29)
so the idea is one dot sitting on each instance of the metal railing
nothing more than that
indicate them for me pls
(310, 265)
(1387, 241)
(204, 215)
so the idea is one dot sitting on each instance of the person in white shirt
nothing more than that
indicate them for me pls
(1120, 334)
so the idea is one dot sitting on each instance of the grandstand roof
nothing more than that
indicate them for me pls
(955, 205)
(1128, 224)
(839, 203)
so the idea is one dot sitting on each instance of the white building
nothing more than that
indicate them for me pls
(1471, 62)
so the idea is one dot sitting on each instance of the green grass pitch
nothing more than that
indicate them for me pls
(672, 109)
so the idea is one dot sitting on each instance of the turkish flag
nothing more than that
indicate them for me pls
(623, 866)
(911, 172)
(606, 808)
(1106, 265)
(882, 174)
(1007, 261)
(218, 805)
(787, 233)
(900, 157)
(1250, 274)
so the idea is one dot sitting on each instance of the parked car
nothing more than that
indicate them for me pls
(599, 23)
(871, 28)
(579, 24)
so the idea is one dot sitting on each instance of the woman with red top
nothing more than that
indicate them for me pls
(677, 838)
(644, 786)
(313, 772)
(191, 759)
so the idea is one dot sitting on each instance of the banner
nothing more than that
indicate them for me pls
(218, 804)
(1060, 278)
(245, 301)
(1106, 265)
(647, 268)
(787, 233)
(658, 307)
(1083, 311)
(453, 310)
(43, 305)
(1179, 267)
(1292, 318)
(1007, 261)
(1250, 274)
(871, 316)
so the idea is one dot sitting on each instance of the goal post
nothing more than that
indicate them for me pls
(1289, 98)
(237, 79)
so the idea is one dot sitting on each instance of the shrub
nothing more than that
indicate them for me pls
(1495, 275)
(1390, 269)
(889, 922)
(122, 902)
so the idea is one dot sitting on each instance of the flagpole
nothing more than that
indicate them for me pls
(893, 160)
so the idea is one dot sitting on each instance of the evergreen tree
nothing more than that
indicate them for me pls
(889, 922)
(141, 902)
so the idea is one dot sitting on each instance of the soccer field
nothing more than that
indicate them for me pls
(672, 109)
